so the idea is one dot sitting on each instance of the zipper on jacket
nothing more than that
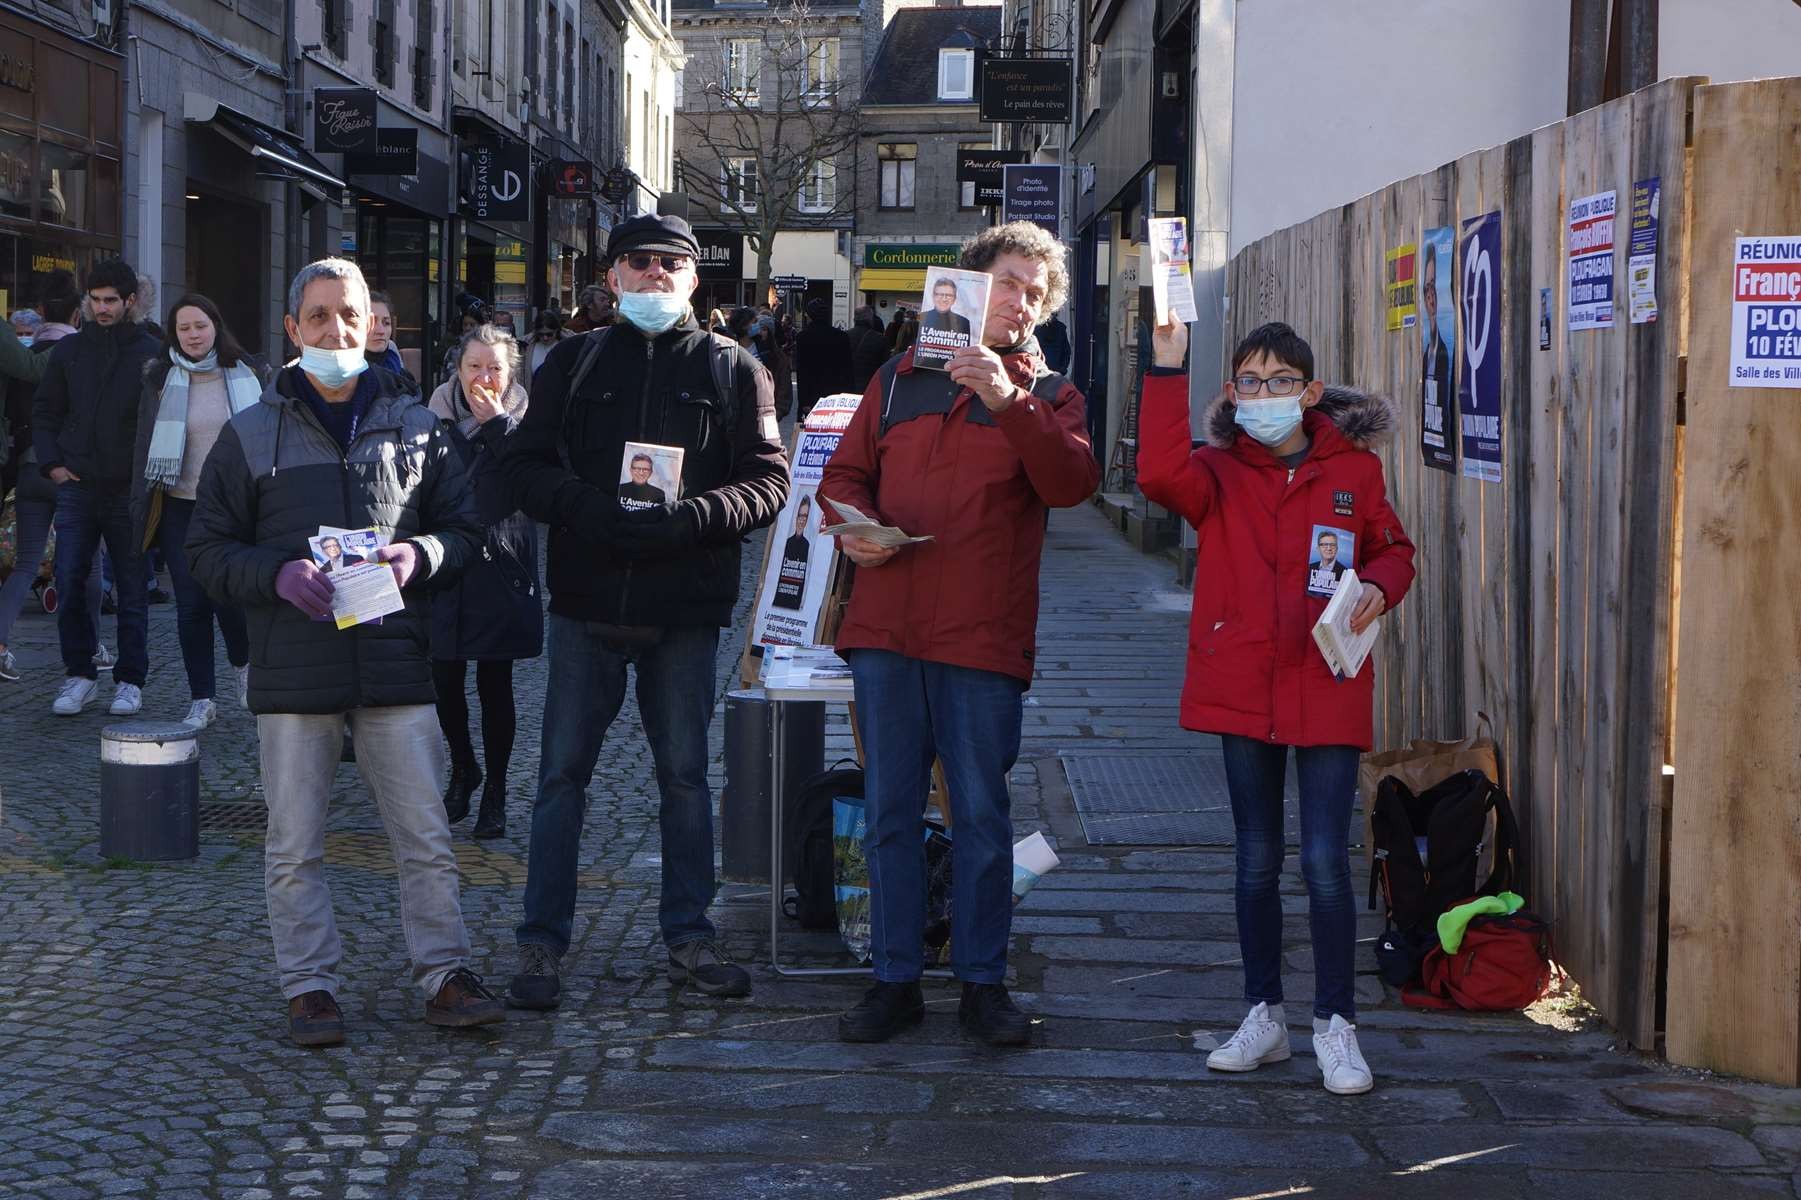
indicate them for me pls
(650, 359)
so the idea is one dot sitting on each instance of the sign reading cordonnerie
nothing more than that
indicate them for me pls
(344, 121)
(891, 254)
(1031, 90)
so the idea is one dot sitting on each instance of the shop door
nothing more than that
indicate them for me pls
(219, 231)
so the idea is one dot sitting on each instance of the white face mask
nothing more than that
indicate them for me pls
(333, 368)
(653, 312)
(1269, 421)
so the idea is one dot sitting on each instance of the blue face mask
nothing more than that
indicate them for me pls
(26, 340)
(333, 368)
(1271, 422)
(653, 312)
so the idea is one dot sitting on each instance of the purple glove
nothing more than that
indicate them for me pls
(404, 558)
(306, 587)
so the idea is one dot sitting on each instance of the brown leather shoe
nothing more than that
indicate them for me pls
(314, 1019)
(463, 1002)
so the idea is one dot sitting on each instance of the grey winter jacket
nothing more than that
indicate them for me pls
(274, 477)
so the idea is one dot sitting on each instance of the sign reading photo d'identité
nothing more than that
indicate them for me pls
(1479, 381)
(1766, 312)
(1033, 192)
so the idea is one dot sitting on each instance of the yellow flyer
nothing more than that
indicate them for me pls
(1403, 309)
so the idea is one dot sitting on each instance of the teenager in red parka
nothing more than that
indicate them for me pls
(1285, 496)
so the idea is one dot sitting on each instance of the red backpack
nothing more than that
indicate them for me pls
(1503, 965)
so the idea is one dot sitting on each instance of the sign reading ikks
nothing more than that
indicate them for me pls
(982, 167)
(344, 121)
(500, 187)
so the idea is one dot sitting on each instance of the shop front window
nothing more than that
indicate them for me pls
(15, 175)
(62, 185)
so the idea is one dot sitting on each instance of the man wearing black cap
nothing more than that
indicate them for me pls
(648, 588)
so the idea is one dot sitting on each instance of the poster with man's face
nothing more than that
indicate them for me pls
(1438, 333)
(649, 476)
(951, 316)
(1332, 552)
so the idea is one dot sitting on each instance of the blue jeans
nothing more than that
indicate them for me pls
(676, 691)
(1328, 778)
(194, 609)
(908, 711)
(86, 515)
(34, 502)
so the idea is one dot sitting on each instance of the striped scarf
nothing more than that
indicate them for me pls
(168, 441)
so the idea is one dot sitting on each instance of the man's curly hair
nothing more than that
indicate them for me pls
(1028, 240)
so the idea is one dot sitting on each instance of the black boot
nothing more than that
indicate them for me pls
(491, 821)
(886, 1009)
(988, 1013)
(465, 777)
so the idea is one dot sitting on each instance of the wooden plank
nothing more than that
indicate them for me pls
(1511, 526)
(1406, 485)
(1735, 866)
(1438, 537)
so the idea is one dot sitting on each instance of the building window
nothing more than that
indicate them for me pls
(334, 25)
(898, 160)
(821, 69)
(568, 75)
(743, 70)
(739, 176)
(956, 74)
(547, 94)
(966, 192)
(819, 191)
(681, 83)
(423, 59)
(381, 42)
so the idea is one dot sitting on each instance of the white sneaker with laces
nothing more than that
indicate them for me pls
(128, 698)
(200, 714)
(73, 696)
(103, 659)
(243, 684)
(1340, 1061)
(9, 667)
(1261, 1039)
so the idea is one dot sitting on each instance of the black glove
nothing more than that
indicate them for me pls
(662, 528)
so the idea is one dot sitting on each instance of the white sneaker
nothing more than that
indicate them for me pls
(127, 700)
(1261, 1039)
(9, 667)
(200, 714)
(1340, 1061)
(243, 677)
(74, 696)
(103, 659)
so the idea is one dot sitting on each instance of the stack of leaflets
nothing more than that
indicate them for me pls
(855, 524)
(1344, 651)
(811, 668)
(365, 590)
(649, 476)
(951, 317)
(1172, 281)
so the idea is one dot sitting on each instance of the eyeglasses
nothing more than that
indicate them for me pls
(671, 262)
(1281, 385)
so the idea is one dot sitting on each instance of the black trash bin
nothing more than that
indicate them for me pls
(150, 791)
(744, 804)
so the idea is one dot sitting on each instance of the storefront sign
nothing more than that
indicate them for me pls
(396, 153)
(1033, 90)
(983, 168)
(721, 254)
(879, 254)
(789, 283)
(344, 121)
(571, 179)
(500, 187)
(1033, 192)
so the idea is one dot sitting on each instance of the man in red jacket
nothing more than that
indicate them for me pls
(939, 634)
(1288, 476)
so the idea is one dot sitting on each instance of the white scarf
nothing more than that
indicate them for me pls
(169, 440)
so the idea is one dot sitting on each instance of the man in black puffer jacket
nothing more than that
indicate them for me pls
(338, 442)
(649, 588)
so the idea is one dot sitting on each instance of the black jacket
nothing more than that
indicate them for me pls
(564, 463)
(274, 477)
(868, 351)
(85, 416)
(821, 362)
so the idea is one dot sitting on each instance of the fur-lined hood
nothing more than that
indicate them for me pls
(1363, 419)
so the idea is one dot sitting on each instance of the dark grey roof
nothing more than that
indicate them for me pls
(752, 7)
(906, 66)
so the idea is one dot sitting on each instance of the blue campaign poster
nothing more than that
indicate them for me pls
(1479, 378)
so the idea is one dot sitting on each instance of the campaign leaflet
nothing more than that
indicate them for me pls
(1172, 284)
(649, 476)
(801, 553)
(1590, 250)
(363, 589)
(951, 314)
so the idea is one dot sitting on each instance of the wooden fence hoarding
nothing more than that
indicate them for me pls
(1543, 600)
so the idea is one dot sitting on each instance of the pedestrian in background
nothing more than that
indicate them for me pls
(334, 443)
(940, 635)
(906, 332)
(34, 496)
(545, 336)
(84, 426)
(1289, 462)
(1053, 342)
(868, 348)
(491, 616)
(25, 324)
(200, 382)
(380, 349)
(596, 308)
(821, 357)
(646, 590)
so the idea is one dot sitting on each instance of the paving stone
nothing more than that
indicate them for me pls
(1642, 1185)
(621, 1179)
(702, 1134)
(1589, 1148)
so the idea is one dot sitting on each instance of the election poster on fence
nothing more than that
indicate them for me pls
(1766, 312)
(798, 568)
(1641, 251)
(1589, 245)
(1479, 376)
(1438, 329)
(1403, 307)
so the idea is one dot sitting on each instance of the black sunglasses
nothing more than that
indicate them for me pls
(641, 260)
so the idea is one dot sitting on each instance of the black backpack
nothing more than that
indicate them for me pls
(1454, 821)
(808, 854)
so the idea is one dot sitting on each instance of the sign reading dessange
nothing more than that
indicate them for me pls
(894, 255)
(1027, 89)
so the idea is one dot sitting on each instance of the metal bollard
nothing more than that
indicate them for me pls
(744, 804)
(150, 791)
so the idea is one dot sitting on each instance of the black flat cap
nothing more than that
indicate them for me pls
(658, 234)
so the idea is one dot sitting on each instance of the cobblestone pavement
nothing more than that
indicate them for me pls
(143, 1050)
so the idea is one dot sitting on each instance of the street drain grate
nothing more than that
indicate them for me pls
(234, 816)
(1162, 800)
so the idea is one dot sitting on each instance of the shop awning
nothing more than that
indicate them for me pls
(891, 279)
(277, 153)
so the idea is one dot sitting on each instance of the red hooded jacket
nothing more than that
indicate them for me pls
(1253, 668)
(978, 482)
